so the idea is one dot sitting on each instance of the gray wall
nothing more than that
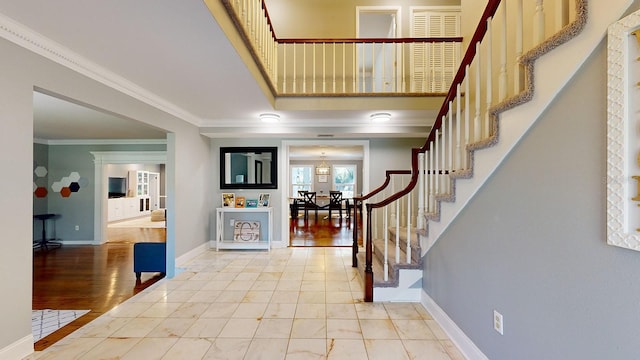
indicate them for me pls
(40, 158)
(188, 172)
(532, 244)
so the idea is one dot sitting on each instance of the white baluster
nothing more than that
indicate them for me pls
(477, 130)
(443, 163)
(408, 251)
(398, 222)
(451, 150)
(421, 195)
(467, 111)
(502, 84)
(385, 229)
(354, 77)
(295, 64)
(324, 68)
(334, 67)
(458, 163)
(562, 14)
(313, 69)
(436, 169)
(432, 171)
(489, 95)
(539, 23)
(363, 70)
(404, 81)
(344, 66)
(518, 80)
(304, 68)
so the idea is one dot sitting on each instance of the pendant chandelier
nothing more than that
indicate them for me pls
(323, 168)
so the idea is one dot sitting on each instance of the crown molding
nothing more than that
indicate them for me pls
(37, 43)
(101, 142)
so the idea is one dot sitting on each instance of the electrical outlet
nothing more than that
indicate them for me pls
(231, 222)
(77, 227)
(498, 325)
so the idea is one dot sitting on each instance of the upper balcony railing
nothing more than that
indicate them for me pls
(345, 66)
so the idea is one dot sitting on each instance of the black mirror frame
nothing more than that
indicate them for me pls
(274, 167)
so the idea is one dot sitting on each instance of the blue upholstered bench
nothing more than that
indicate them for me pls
(149, 257)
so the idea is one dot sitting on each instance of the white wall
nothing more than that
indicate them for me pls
(189, 186)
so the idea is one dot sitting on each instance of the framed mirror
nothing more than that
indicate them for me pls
(248, 168)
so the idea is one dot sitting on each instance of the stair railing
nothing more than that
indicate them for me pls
(346, 66)
(466, 121)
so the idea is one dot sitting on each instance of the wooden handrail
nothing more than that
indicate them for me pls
(371, 40)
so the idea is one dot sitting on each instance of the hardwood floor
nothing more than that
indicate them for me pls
(322, 231)
(95, 278)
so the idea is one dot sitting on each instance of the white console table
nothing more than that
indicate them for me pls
(244, 228)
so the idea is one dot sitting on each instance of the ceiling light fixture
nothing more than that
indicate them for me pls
(380, 117)
(269, 118)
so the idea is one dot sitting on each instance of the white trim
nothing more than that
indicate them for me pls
(284, 173)
(31, 40)
(102, 142)
(190, 255)
(621, 115)
(380, 9)
(19, 349)
(457, 336)
(101, 159)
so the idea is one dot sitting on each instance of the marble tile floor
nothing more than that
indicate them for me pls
(294, 303)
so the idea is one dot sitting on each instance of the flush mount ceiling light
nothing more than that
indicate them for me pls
(269, 118)
(380, 117)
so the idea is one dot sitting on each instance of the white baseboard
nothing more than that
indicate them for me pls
(19, 349)
(184, 258)
(457, 336)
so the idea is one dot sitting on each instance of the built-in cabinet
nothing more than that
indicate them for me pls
(123, 208)
(244, 228)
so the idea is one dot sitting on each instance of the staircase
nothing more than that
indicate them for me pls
(478, 114)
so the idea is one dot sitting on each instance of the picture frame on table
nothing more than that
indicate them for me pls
(252, 203)
(228, 199)
(264, 200)
(240, 201)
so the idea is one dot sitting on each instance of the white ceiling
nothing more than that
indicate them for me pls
(176, 51)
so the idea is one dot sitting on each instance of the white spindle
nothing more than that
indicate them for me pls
(313, 69)
(436, 171)
(502, 84)
(467, 111)
(404, 81)
(539, 23)
(373, 67)
(432, 171)
(421, 180)
(363, 73)
(477, 132)
(398, 230)
(408, 250)
(354, 77)
(451, 150)
(562, 14)
(304, 68)
(517, 78)
(324, 68)
(443, 187)
(334, 67)
(344, 66)
(427, 74)
(385, 225)
(295, 64)
(458, 163)
(489, 89)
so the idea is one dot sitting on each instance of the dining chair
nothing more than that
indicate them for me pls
(335, 202)
(310, 203)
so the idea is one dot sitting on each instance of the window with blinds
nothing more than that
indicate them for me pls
(434, 65)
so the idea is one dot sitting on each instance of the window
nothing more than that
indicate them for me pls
(301, 179)
(344, 179)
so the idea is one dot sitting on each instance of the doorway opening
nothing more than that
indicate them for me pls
(331, 172)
